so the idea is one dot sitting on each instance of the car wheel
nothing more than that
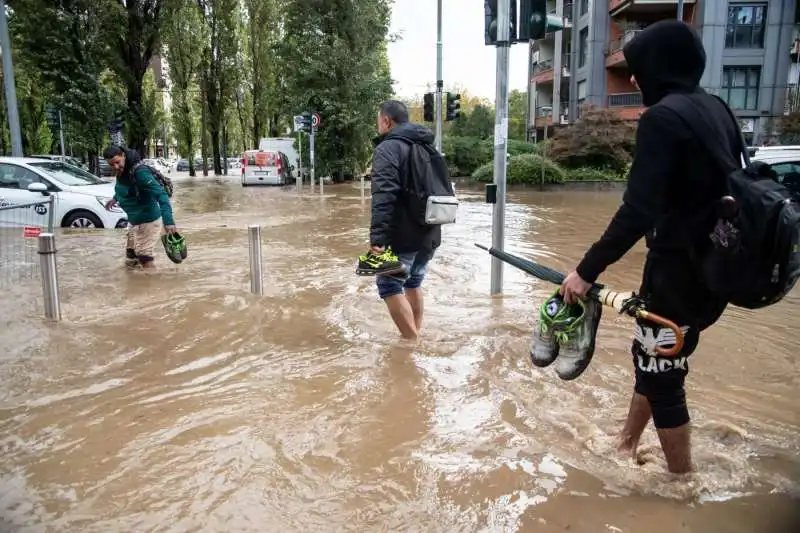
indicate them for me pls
(82, 220)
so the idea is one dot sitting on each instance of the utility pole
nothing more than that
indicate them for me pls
(11, 88)
(500, 135)
(680, 9)
(439, 81)
(61, 132)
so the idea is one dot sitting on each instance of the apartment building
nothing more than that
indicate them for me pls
(746, 43)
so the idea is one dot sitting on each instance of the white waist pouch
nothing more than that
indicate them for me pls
(441, 210)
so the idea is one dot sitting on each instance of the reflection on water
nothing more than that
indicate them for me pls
(180, 402)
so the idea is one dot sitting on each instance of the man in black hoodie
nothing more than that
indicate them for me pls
(671, 185)
(400, 248)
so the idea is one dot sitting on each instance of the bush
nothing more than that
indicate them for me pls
(523, 168)
(594, 174)
(465, 154)
(599, 139)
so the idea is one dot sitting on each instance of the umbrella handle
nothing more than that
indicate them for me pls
(617, 300)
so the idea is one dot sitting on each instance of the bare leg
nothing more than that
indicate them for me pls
(417, 302)
(676, 443)
(402, 314)
(639, 415)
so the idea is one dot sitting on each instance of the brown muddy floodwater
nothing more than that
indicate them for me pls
(180, 402)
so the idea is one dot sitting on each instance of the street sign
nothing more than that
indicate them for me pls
(298, 123)
(315, 120)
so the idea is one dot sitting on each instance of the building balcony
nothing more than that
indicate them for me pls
(543, 70)
(614, 56)
(544, 115)
(628, 105)
(634, 7)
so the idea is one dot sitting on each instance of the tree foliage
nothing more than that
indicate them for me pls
(789, 128)
(599, 139)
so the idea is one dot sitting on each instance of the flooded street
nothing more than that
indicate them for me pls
(179, 402)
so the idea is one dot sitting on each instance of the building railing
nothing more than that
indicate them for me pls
(549, 64)
(542, 66)
(619, 44)
(792, 103)
(547, 110)
(625, 100)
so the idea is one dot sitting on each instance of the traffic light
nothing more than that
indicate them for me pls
(427, 107)
(534, 22)
(491, 12)
(453, 106)
(307, 122)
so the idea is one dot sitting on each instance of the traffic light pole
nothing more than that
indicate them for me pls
(500, 143)
(8, 78)
(439, 81)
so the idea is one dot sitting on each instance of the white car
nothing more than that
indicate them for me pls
(158, 164)
(785, 161)
(79, 196)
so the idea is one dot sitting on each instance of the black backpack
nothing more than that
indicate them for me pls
(165, 182)
(754, 257)
(428, 189)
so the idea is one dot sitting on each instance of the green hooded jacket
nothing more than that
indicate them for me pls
(143, 198)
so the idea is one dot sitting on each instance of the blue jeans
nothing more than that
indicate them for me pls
(416, 264)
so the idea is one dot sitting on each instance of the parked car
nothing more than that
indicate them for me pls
(80, 197)
(64, 159)
(785, 161)
(182, 165)
(265, 168)
(157, 164)
(105, 169)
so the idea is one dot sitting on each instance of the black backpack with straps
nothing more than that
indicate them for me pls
(429, 193)
(754, 257)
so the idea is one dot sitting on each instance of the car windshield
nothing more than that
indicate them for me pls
(68, 174)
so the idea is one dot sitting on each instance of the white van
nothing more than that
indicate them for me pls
(284, 145)
(265, 168)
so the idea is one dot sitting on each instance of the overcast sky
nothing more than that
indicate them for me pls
(467, 61)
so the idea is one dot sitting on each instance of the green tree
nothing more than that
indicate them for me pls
(184, 36)
(517, 102)
(66, 44)
(339, 70)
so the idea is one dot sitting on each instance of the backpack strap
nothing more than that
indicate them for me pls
(706, 135)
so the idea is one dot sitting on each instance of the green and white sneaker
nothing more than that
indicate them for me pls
(553, 317)
(577, 340)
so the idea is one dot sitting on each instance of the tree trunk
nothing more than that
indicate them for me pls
(203, 128)
(137, 132)
(240, 112)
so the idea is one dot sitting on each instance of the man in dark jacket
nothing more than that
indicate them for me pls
(400, 248)
(672, 187)
(144, 201)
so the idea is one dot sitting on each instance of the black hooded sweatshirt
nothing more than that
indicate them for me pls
(672, 181)
(392, 224)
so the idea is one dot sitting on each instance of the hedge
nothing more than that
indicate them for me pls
(465, 154)
(594, 174)
(523, 168)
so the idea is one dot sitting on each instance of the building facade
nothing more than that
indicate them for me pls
(750, 47)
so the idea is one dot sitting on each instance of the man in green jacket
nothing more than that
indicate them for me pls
(145, 202)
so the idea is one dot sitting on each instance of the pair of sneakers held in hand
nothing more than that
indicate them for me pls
(565, 334)
(385, 263)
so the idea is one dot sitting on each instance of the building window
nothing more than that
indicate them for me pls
(745, 26)
(740, 86)
(583, 51)
(584, 7)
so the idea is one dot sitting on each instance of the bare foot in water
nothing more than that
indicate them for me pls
(627, 446)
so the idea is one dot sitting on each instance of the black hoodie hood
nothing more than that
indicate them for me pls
(132, 158)
(412, 132)
(666, 57)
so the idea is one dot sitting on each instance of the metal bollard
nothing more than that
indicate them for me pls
(256, 265)
(47, 261)
(362, 187)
